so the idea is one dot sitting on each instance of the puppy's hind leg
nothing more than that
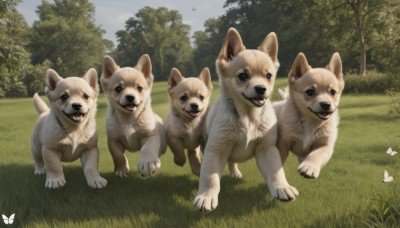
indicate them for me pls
(177, 149)
(234, 170)
(90, 165)
(195, 161)
(37, 156)
(121, 165)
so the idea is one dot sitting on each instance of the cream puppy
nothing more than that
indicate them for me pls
(189, 98)
(308, 117)
(67, 131)
(242, 122)
(131, 123)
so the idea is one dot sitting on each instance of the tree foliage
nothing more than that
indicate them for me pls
(161, 34)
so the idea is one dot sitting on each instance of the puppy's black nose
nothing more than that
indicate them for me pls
(130, 98)
(76, 106)
(325, 105)
(260, 89)
(194, 106)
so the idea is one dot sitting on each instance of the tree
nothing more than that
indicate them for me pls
(67, 36)
(161, 34)
(14, 58)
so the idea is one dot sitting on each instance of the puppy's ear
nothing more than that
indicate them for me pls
(232, 46)
(174, 78)
(299, 67)
(92, 79)
(270, 47)
(52, 78)
(205, 76)
(109, 67)
(144, 65)
(335, 66)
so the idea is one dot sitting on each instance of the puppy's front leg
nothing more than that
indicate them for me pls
(212, 166)
(311, 166)
(121, 165)
(54, 171)
(149, 161)
(90, 164)
(269, 163)
(195, 160)
(176, 146)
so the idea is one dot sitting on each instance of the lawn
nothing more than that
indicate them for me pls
(349, 191)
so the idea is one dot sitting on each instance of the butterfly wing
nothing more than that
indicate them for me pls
(11, 219)
(5, 219)
(385, 174)
(393, 153)
(389, 151)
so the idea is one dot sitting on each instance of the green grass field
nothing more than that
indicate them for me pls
(349, 192)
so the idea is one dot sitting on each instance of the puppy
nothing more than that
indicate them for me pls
(308, 117)
(189, 98)
(242, 122)
(67, 131)
(131, 123)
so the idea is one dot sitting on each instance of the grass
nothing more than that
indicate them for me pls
(349, 191)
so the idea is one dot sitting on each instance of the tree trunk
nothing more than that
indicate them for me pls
(356, 7)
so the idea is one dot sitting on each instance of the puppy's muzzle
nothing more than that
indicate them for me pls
(326, 110)
(260, 90)
(131, 106)
(195, 110)
(77, 116)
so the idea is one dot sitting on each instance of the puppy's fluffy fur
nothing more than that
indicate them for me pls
(189, 98)
(131, 123)
(67, 131)
(242, 122)
(308, 117)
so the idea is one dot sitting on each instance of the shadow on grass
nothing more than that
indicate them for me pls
(167, 197)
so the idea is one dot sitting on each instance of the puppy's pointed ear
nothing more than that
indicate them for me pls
(232, 46)
(174, 78)
(205, 76)
(299, 67)
(108, 69)
(270, 47)
(144, 65)
(335, 66)
(92, 79)
(52, 78)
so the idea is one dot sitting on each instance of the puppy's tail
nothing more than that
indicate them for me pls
(284, 93)
(39, 104)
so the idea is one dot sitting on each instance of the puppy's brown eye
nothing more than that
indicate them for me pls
(310, 92)
(86, 96)
(243, 77)
(268, 76)
(201, 98)
(333, 92)
(118, 89)
(183, 98)
(64, 97)
(139, 88)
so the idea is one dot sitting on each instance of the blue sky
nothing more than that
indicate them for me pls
(112, 14)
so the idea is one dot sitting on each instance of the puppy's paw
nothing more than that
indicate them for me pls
(121, 172)
(236, 174)
(180, 160)
(39, 170)
(53, 183)
(97, 182)
(308, 170)
(206, 202)
(286, 193)
(148, 168)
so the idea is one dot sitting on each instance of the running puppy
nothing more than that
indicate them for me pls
(308, 117)
(67, 131)
(189, 98)
(131, 123)
(242, 123)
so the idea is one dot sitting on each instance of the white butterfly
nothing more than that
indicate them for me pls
(9, 220)
(391, 152)
(386, 177)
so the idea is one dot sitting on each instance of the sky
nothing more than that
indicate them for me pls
(112, 14)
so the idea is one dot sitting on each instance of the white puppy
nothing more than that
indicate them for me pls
(242, 122)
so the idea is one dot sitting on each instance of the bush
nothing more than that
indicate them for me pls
(394, 102)
(373, 82)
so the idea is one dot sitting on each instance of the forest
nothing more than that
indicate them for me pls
(66, 38)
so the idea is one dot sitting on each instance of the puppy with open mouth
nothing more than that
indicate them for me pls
(67, 131)
(189, 98)
(242, 123)
(308, 117)
(131, 123)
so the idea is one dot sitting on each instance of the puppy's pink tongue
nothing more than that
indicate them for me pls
(130, 107)
(324, 115)
(259, 101)
(76, 117)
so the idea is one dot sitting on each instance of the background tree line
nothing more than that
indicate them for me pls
(365, 32)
